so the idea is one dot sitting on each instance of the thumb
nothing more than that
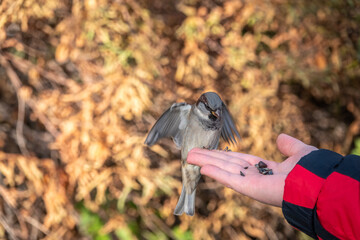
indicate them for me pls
(290, 146)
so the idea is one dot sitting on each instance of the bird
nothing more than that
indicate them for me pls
(194, 126)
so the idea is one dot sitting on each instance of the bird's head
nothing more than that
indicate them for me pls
(211, 105)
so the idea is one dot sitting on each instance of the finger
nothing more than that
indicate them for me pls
(228, 156)
(224, 177)
(233, 156)
(232, 178)
(290, 146)
(202, 159)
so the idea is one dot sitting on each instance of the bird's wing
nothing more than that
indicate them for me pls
(228, 130)
(172, 123)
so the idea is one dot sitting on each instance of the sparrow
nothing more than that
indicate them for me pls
(194, 126)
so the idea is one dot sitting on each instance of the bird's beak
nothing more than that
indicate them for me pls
(215, 114)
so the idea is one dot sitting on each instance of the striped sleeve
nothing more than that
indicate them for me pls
(322, 195)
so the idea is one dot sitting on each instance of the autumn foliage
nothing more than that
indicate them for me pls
(81, 83)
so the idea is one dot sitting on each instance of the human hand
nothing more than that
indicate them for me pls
(225, 167)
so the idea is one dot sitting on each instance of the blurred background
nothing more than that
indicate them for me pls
(82, 82)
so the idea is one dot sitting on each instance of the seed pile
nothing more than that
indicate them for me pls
(263, 169)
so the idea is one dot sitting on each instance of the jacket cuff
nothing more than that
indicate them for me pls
(303, 185)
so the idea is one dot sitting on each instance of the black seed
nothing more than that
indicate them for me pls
(246, 167)
(261, 164)
(242, 174)
(212, 117)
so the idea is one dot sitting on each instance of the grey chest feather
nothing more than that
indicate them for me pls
(197, 137)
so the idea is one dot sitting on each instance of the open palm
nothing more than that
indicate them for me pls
(225, 167)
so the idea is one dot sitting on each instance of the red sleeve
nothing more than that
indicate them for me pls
(322, 195)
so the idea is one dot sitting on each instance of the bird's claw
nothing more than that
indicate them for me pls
(227, 149)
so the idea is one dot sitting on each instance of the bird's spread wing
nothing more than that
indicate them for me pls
(228, 130)
(171, 124)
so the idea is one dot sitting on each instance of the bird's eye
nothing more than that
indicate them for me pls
(208, 108)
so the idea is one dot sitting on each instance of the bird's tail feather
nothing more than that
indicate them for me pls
(186, 203)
